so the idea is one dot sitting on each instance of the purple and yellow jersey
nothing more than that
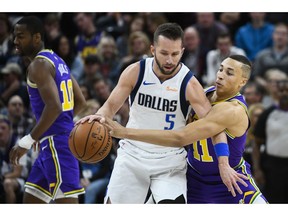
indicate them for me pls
(201, 155)
(86, 46)
(64, 122)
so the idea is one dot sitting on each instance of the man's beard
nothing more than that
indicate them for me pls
(163, 70)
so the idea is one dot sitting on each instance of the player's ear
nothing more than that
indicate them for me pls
(37, 37)
(243, 82)
(152, 49)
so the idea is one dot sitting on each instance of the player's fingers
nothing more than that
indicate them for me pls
(241, 181)
(236, 186)
(232, 191)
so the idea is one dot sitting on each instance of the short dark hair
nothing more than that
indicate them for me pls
(33, 24)
(172, 31)
(247, 65)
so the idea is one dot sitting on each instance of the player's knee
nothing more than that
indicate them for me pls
(178, 200)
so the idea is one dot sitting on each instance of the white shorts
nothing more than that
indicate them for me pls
(133, 176)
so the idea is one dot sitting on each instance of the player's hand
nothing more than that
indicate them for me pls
(89, 118)
(230, 178)
(115, 129)
(16, 153)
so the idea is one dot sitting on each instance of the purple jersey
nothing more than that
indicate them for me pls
(64, 122)
(204, 183)
(201, 155)
(55, 168)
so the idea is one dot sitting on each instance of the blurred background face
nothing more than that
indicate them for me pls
(224, 44)
(255, 115)
(251, 96)
(205, 19)
(64, 47)
(85, 92)
(90, 69)
(4, 133)
(16, 107)
(137, 24)
(102, 89)
(280, 36)
(272, 79)
(83, 22)
(108, 47)
(257, 16)
(191, 39)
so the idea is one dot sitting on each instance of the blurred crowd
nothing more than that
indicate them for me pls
(99, 46)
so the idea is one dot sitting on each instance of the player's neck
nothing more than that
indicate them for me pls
(218, 97)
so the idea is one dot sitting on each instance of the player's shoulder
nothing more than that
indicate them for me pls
(229, 107)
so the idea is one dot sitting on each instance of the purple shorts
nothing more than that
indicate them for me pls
(211, 189)
(55, 168)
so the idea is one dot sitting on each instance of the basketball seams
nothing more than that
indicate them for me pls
(106, 134)
(100, 147)
(94, 149)
(73, 140)
(87, 139)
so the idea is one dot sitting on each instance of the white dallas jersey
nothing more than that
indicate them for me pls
(158, 105)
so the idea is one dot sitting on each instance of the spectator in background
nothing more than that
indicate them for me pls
(224, 49)
(272, 76)
(91, 70)
(253, 93)
(138, 23)
(209, 29)
(13, 84)
(21, 123)
(255, 35)
(103, 89)
(6, 40)
(254, 111)
(85, 91)
(273, 57)
(108, 54)
(153, 20)
(191, 56)
(139, 48)
(12, 178)
(271, 130)
(88, 38)
(65, 49)
(233, 20)
(52, 29)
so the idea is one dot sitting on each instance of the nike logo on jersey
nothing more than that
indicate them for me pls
(148, 83)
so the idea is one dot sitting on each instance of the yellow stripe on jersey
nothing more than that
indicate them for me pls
(44, 57)
(80, 191)
(57, 166)
(34, 186)
(32, 85)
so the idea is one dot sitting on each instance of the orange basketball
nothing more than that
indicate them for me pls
(90, 142)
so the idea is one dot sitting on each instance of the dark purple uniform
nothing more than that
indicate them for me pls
(204, 183)
(55, 168)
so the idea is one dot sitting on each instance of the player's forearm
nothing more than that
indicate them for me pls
(49, 115)
(159, 137)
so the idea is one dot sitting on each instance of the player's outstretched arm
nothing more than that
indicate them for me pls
(203, 128)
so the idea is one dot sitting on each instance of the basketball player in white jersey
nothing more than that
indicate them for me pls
(160, 90)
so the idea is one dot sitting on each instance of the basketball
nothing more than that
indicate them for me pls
(90, 142)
